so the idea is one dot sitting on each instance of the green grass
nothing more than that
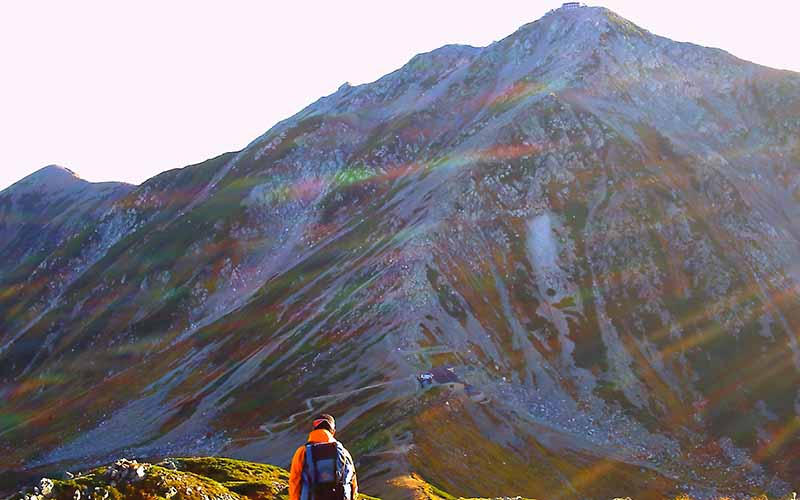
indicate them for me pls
(194, 479)
(226, 470)
(213, 477)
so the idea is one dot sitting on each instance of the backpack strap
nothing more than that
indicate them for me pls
(336, 472)
(307, 473)
(310, 449)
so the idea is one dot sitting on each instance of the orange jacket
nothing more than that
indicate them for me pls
(296, 472)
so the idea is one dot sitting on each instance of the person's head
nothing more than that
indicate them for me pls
(325, 421)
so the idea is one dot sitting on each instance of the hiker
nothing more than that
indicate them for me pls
(322, 469)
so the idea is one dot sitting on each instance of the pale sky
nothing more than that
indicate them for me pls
(124, 90)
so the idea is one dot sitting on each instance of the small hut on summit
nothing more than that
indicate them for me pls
(571, 5)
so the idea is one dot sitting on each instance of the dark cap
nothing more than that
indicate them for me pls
(324, 421)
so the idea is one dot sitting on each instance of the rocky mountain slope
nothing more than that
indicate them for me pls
(585, 232)
(40, 212)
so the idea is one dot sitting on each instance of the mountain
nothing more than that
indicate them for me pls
(40, 211)
(584, 235)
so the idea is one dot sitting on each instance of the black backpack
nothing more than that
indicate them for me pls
(327, 472)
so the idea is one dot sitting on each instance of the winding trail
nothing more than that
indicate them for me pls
(270, 429)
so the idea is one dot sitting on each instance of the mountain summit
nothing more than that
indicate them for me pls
(41, 211)
(49, 178)
(562, 265)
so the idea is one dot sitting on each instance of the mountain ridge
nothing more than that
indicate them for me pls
(584, 254)
(54, 177)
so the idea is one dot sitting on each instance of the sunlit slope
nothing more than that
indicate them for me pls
(594, 227)
(185, 478)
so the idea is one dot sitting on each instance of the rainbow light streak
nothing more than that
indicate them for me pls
(780, 438)
(305, 190)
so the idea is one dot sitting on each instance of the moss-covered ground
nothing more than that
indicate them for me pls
(191, 479)
(209, 478)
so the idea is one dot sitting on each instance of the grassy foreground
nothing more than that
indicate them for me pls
(174, 479)
(209, 478)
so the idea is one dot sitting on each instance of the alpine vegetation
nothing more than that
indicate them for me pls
(564, 265)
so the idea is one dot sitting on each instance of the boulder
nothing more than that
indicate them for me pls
(46, 486)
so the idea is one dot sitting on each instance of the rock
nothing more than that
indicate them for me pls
(99, 494)
(168, 464)
(46, 486)
(171, 492)
(124, 470)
